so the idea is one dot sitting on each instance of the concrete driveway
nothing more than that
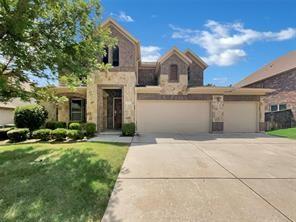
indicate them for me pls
(206, 177)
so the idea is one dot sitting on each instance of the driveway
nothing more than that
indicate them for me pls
(206, 177)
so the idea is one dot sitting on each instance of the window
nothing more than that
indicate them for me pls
(189, 74)
(282, 107)
(115, 56)
(273, 108)
(77, 109)
(276, 107)
(173, 76)
(105, 58)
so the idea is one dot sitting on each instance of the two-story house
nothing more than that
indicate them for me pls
(163, 96)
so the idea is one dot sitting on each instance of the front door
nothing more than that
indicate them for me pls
(117, 113)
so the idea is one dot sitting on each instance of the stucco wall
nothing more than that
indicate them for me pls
(285, 90)
(103, 80)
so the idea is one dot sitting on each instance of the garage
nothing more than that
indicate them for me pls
(240, 116)
(172, 116)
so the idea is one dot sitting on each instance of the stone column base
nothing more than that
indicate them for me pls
(262, 126)
(217, 127)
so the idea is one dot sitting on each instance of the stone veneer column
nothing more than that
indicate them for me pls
(91, 101)
(217, 113)
(64, 112)
(262, 125)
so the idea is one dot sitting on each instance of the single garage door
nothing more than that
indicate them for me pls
(167, 116)
(240, 116)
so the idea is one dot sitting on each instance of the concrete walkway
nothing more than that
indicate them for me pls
(229, 177)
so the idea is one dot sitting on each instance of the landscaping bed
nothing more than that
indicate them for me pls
(58, 182)
(288, 133)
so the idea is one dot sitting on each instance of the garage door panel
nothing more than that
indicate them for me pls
(240, 116)
(172, 116)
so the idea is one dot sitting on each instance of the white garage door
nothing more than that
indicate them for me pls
(240, 117)
(154, 116)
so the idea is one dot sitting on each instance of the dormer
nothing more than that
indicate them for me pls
(196, 69)
(173, 71)
(125, 55)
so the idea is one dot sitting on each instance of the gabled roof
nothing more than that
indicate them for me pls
(177, 52)
(196, 58)
(123, 31)
(278, 66)
(120, 28)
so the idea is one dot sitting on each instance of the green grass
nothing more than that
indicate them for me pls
(57, 182)
(289, 133)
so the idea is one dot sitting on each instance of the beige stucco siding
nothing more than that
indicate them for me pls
(169, 116)
(241, 116)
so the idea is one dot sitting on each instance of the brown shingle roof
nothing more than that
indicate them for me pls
(278, 66)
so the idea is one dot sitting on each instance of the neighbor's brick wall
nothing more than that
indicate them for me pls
(147, 76)
(285, 86)
(196, 72)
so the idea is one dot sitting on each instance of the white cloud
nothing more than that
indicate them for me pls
(224, 42)
(220, 80)
(122, 16)
(150, 53)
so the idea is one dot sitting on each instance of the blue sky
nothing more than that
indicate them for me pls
(234, 37)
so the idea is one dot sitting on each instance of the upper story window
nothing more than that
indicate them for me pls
(105, 58)
(188, 74)
(115, 56)
(173, 75)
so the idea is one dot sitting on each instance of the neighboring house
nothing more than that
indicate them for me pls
(7, 111)
(164, 96)
(279, 75)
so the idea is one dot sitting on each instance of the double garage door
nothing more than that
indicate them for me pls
(174, 116)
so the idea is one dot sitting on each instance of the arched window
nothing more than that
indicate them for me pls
(173, 75)
(105, 58)
(115, 56)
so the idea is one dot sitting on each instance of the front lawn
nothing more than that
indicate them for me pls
(289, 133)
(57, 182)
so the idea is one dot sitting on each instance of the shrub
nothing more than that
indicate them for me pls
(3, 133)
(55, 124)
(90, 129)
(128, 129)
(59, 134)
(74, 134)
(42, 134)
(17, 135)
(75, 126)
(30, 116)
(10, 125)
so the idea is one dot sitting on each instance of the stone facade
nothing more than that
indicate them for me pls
(174, 88)
(195, 75)
(109, 80)
(285, 90)
(217, 113)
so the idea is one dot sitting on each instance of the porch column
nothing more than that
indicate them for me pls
(92, 101)
(262, 124)
(217, 111)
(64, 112)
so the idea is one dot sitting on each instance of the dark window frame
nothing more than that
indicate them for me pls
(174, 77)
(105, 58)
(115, 56)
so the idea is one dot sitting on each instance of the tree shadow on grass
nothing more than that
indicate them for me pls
(46, 185)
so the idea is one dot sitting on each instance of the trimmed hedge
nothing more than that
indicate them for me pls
(75, 126)
(42, 134)
(3, 133)
(55, 124)
(75, 134)
(59, 134)
(17, 135)
(90, 129)
(30, 116)
(128, 129)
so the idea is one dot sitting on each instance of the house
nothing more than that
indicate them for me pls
(279, 75)
(163, 96)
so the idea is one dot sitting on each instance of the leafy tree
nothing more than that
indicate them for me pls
(39, 38)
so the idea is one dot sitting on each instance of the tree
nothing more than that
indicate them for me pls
(39, 38)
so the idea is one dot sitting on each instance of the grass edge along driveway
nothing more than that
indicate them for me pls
(58, 182)
(288, 133)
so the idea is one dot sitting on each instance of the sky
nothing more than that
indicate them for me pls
(235, 38)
